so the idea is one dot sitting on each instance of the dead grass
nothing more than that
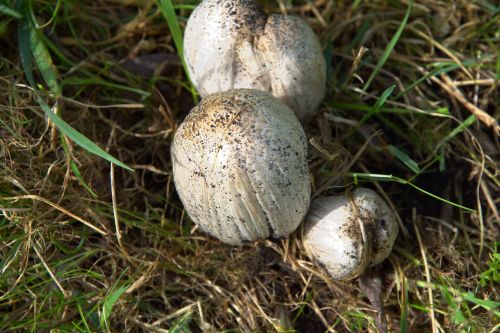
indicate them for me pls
(64, 267)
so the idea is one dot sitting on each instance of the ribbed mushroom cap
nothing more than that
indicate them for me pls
(240, 166)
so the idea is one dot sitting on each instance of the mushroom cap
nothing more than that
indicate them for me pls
(347, 234)
(232, 44)
(385, 230)
(240, 166)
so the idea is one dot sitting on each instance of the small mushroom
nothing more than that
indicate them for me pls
(232, 44)
(240, 166)
(348, 233)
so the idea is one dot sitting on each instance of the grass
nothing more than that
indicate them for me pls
(87, 247)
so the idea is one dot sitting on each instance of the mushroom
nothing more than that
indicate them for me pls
(348, 233)
(232, 44)
(240, 166)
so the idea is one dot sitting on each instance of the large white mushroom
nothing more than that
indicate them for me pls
(232, 44)
(240, 166)
(348, 233)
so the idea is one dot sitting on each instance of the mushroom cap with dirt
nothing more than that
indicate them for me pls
(348, 233)
(232, 44)
(240, 166)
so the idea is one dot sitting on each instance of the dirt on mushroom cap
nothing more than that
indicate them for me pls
(233, 44)
(344, 234)
(240, 166)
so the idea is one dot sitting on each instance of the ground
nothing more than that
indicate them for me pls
(85, 246)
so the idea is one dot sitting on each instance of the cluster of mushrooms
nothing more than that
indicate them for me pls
(240, 157)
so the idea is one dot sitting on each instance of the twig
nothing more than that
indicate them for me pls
(113, 106)
(151, 169)
(50, 203)
(427, 277)
(149, 327)
(50, 272)
(318, 312)
(317, 14)
(454, 92)
(115, 209)
(481, 82)
(443, 49)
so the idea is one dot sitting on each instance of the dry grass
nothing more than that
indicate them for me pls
(63, 266)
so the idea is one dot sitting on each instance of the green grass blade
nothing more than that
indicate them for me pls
(434, 72)
(497, 67)
(77, 137)
(54, 13)
(109, 303)
(182, 325)
(492, 274)
(405, 159)
(80, 81)
(484, 303)
(75, 169)
(184, 6)
(12, 253)
(328, 55)
(31, 40)
(378, 177)
(25, 39)
(460, 128)
(10, 12)
(84, 321)
(24, 45)
(389, 47)
(378, 105)
(403, 323)
(366, 108)
(456, 313)
(487, 304)
(173, 24)
(489, 6)
(360, 34)
(302, 307)
(402, 181)
(44, 62)
(82, 182)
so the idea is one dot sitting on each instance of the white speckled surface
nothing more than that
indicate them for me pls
(232, 44)
(346, 235)
(240, 166)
